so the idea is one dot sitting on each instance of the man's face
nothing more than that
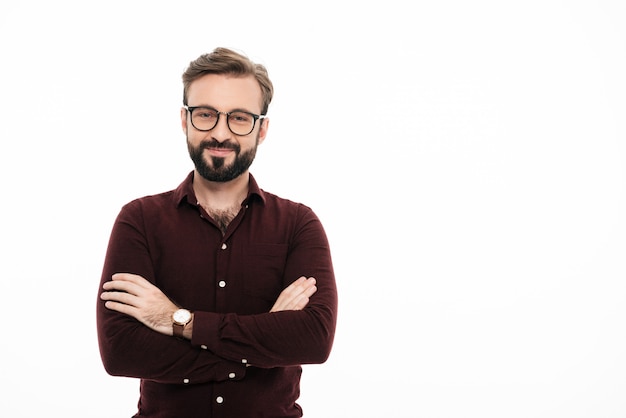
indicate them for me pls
(220, 155)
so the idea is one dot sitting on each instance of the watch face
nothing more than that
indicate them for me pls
(182, 316)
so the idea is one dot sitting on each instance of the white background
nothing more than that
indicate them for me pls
(467, 159)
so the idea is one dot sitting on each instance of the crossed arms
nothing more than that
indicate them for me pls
(134, 314)
(135, 296)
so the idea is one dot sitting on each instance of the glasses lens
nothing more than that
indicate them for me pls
(204, 119)
(240, 123)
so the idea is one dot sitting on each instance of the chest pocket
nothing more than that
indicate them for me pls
(263, 267)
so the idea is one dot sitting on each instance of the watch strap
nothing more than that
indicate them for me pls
(178, 330)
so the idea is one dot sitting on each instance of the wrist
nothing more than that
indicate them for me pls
(188, 329)
(181, 319)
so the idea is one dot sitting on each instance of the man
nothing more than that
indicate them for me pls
(214, 294)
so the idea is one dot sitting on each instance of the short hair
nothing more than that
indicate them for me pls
(226, 61)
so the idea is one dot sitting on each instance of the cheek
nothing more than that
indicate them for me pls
(193, 137)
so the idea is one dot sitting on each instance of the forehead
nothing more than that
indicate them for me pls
(225, 92)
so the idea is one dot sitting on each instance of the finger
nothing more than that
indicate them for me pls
(121, 307)
(296, 295)
(120, 297)
(296, 284)
(310, 291)
(300, 303)
(304, 297)
(300, 300)
(131, 278)
(299, 286)
(302, 287)
(307, 289)
(122, 286)
(311, 284)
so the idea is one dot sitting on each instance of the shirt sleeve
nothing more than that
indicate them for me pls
(127, 347)
(285, 338)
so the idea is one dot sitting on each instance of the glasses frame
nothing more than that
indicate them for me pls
(255, 117)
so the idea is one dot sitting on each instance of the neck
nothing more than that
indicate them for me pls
(218, 195)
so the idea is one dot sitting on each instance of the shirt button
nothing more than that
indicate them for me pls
(204, 347)
(224, 246)
(231, 375)
(219, 399)
(222, 283)
(244, 361)
(185, 380)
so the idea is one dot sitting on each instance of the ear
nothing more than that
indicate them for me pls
(183, 119)
(263, 130)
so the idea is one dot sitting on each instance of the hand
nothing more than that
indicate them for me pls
(133, 295)
(295, 296)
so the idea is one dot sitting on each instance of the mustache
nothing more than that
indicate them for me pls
(220, 145)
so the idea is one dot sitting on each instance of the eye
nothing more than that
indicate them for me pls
(240, 117)
(205, 114)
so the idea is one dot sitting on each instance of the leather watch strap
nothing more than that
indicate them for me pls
(178, 330)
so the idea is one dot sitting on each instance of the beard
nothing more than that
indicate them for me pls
(216, 169)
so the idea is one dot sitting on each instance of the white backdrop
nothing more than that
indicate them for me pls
(467, 159)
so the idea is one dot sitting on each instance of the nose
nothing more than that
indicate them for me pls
(221, 131)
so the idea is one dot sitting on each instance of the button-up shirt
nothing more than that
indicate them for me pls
(242, 361)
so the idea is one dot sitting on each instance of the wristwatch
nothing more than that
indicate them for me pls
(180, 318)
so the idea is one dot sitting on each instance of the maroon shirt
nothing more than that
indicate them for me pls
(242, 361)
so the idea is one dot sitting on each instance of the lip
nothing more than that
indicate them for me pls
(219, 152)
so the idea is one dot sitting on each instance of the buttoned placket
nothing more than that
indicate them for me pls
(222, 280)
(222, 262)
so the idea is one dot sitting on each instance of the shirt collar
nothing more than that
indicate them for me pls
(184, 192)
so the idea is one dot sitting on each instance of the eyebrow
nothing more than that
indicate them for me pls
(238, 109)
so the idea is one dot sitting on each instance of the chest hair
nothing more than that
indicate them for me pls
(223, 217)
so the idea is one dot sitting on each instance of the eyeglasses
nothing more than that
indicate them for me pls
(239, 122)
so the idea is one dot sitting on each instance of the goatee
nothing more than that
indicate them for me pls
(217, 170)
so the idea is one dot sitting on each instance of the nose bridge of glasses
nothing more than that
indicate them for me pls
(219, 118)
(222, 125)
